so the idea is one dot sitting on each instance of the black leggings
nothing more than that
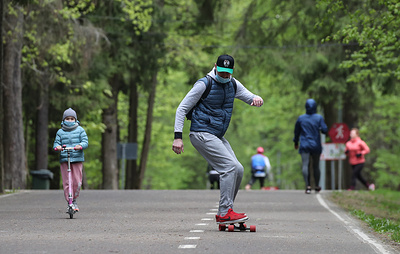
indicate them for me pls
(357, 175)
(254, 179)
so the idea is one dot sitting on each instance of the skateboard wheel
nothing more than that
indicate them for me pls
(222, 227)
(244, 225)
(231, 228)
(252, 228)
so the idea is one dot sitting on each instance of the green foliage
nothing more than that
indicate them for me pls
(383, 133)
(139, 13)
(78, 47)
(373, 27)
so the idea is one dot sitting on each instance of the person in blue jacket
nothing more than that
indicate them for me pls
(307, 130)
(71, 134)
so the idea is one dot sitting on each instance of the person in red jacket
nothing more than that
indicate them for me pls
(356, 149)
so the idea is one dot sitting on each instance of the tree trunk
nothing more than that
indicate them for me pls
(15, 171)
(42, 130)
(131, 165)
(109, 141)
(147, 136)
(1, 99)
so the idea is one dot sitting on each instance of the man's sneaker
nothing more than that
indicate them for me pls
(75, 206)
(308, 190)
(230, 217)
(317, 189)
(371, 187)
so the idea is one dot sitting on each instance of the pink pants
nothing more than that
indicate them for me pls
(76, 178)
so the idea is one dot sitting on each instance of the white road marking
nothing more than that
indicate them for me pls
(208, 219)
(192, 238)
(358, 232)
(196, 231)
(188, 246)
(202, 224)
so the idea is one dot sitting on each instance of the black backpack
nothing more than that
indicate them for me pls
(205, 94)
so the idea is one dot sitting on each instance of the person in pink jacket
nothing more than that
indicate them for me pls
(356, 149)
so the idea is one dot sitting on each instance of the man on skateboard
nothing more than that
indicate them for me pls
(210, 118)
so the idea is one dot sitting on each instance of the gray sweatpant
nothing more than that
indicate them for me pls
(219, 154)
(305, 157)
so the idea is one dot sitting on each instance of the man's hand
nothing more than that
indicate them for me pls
(257, 101)
(177, 146)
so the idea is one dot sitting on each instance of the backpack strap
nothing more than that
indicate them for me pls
(203, 96)
(234, 84)
(208, 87)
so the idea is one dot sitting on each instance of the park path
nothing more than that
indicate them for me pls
(178, 221)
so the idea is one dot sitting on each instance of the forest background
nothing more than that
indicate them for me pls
(124, 66)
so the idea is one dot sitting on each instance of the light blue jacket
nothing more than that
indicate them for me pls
(72, 138)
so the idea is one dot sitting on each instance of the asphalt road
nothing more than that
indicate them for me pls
(147, 221)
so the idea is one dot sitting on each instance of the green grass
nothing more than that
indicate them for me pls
(379, 209)
(9, 191)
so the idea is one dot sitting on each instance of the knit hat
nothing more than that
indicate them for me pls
(70, 112)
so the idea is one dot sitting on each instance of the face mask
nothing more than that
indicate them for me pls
(69, 124)
(222, 80)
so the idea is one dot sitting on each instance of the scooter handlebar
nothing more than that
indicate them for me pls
(67, 148)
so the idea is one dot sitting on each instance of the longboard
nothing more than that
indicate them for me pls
(236, 226)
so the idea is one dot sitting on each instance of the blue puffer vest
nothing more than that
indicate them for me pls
(213, 114)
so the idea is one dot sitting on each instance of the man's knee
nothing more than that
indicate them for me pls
(239, 169)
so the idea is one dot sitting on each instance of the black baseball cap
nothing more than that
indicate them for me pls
(225, 63)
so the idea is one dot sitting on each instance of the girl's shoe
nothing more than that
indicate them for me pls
(75, 206)
(371, 187)
(308, 190)
(317, 189)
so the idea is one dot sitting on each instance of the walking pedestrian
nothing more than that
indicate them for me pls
(307, 130)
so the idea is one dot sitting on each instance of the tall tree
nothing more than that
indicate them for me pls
(2, 4)
(372, 27)
(133, 18)
(55, 54)
(147, 134)
(131, 166)
(110, 137)
(15, 168)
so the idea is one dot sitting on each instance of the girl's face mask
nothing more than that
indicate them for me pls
(69, 124)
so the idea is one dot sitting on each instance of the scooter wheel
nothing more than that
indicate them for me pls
(71, 213)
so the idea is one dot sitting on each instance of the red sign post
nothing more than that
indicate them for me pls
(339, 133)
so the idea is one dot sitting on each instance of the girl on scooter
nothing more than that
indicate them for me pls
(71, 134)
